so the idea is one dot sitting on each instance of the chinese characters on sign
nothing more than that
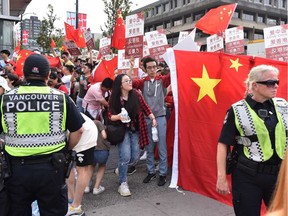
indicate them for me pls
(89, 39)
(234, 40)
(72, 47)
(104, 46)
(276, 42)
(134, 35)
(124, 64)
(215, 43)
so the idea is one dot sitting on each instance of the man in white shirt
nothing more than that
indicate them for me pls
(66, 79)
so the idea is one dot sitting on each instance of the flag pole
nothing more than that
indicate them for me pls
(76, 14)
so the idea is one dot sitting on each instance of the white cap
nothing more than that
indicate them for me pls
(4, 84)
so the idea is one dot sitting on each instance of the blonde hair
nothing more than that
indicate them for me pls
(280, 197)
(256, 74)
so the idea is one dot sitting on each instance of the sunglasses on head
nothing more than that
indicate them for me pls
(269, 83)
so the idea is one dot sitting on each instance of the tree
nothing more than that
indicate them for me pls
(110, 9)
(49, 31)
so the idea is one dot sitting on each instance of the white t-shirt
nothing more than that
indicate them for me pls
(66, 80)
(89, 135)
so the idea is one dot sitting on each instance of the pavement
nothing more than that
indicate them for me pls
(148, 199)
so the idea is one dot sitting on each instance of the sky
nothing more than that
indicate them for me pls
(93, 8)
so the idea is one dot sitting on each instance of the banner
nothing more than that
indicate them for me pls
(72, 47)
(234, 40)
(124, 64)
(89, 40)
(25, 37)
(82, 20)
(215, 43)
(276, 42)
(134, 35)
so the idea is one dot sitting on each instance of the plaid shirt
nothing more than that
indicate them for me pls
(143, 128)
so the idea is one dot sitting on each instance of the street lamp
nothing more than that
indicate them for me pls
(21, 28)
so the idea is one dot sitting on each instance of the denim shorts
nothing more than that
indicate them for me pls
(101, 156)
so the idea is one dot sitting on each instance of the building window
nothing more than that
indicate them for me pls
(260, 19)
(177, 22)
(175, 3)
(236, 14)
(158, 9)
(171, 5)
(159, 26)
(258, 1)
(282, 3)
(245, 34)
(258, 36)
(198, 15)
(184, 2)
(166, 7)
(268, 2)
(271, 21)
(168, 24)
(247, 16)
(188, 19)
(188, 1)
(152, 11)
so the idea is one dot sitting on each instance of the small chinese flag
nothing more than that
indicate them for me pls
(79, 38)
(118, 37)
(52, 43)
(105, 69)
(217, 19)
(70, 31)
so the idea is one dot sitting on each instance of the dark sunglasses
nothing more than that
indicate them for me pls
(269, 83)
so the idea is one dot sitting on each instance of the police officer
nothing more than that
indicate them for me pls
(257, 128)
(34, 120)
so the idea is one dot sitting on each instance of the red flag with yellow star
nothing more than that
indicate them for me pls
(118, 38)
(22, 55)
(216, 20)
(105, 69)
(208, 84)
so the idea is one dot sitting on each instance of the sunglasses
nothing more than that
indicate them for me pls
(269, 83)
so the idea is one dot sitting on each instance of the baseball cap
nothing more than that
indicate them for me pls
(36, 65)
(4, 84)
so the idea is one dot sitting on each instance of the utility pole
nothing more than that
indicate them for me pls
(21, 29)
(76, 14)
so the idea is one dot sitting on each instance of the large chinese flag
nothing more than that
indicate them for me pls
(118, 38)
(105, 69)
(208, 84)
(217, 19)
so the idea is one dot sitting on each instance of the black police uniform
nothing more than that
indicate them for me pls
(35, 178)
(250, 186)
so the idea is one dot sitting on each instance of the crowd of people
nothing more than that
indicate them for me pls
(65, 100)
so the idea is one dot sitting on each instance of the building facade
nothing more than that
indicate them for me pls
(10, 11)
(33, 27)
(181, 15)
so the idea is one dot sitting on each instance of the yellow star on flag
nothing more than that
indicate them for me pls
(206, 85)
(235, 64)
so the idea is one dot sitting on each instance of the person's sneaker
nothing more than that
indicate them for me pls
(162, 180)
(75, 211)
(124, 189)
(116, 171)
(87, 189)
(99, 190)
(131, 170)
(144, 156)
(149, 178)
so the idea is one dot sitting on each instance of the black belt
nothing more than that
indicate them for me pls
(30, 160)
(253, 167)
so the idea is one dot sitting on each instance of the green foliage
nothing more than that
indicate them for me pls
(110, 9)
(49, 31)
(97, 44)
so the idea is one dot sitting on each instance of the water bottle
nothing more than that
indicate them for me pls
(124, 115)
(155, 134)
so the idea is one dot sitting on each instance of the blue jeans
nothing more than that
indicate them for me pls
(129, 152)
(79, 104)
(162, 148)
